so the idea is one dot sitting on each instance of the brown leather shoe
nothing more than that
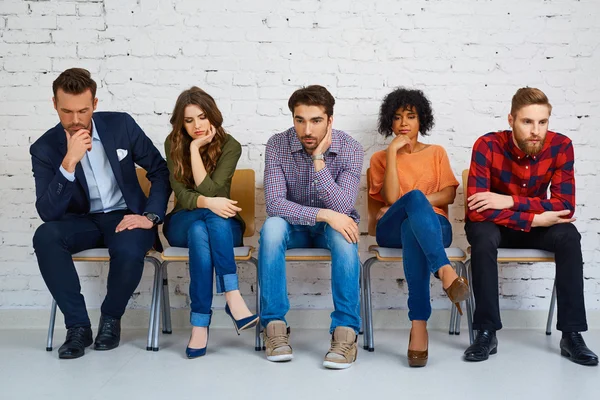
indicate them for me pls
(417, 358)
(458, 291)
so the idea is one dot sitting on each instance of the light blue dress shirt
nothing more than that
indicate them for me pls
(105, 194)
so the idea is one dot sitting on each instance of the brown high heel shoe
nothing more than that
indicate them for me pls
(458, 291)
(417, 358)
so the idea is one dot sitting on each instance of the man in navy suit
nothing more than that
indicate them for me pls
(88, 196)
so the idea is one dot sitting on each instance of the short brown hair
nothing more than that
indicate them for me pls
(313, 95)
(527, 96)
(75, 81)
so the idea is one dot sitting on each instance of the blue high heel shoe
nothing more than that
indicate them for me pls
(195, 353)
(244, 323)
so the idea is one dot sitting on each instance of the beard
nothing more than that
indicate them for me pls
(73, 128)
(530, 148)
(309, 143)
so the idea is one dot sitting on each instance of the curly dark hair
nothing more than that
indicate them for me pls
(402, 97)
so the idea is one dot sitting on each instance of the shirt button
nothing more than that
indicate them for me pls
(524, 184)
(527, 167)
(519, 158)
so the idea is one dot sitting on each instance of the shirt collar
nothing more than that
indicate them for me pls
(520, 154)
(336, 141)
(95, 135)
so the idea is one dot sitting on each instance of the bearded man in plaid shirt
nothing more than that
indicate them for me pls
(508, 206)
(312, 176)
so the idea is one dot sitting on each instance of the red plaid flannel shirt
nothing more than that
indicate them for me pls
(499, 166)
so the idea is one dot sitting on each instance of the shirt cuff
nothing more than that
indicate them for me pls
(516, 203)
(311, 215)
(70, 176)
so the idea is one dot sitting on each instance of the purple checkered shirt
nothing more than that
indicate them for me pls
(295, 192)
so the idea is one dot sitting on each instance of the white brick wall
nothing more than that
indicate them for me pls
(468, 56)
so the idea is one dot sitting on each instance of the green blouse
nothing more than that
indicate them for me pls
(217, 184)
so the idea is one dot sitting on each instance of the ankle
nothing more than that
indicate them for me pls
(232, 295)
(447, 275)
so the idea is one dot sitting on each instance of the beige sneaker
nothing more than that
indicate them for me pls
(277, 336)
(343, 350)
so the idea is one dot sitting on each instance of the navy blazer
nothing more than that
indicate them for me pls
(56, 196)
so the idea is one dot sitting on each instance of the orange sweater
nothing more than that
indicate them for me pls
(427, 170)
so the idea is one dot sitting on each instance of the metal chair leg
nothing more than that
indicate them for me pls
(368, 306)
(363, 290)
(51, 325)
(257, 341)
(157, 310)
(166, 304)
(452, 320)
(470, 302)
(459, 268)
(551, 311)
(362, 301)
(154, 302)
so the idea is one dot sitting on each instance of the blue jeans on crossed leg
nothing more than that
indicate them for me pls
(412, 225)
(276, 236)
(211, 240)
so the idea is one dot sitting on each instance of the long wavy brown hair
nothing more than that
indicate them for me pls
(180, 140)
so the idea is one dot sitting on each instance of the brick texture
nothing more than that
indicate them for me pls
(469, 57)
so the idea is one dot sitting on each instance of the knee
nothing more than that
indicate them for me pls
(273, 232)
(197, 231)
(46, 234)
(565, 235)
(415, 197)
(337, 241)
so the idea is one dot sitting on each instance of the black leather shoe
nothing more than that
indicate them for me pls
(485, 344)
(77, 340)
(574, 348)
(109, 333)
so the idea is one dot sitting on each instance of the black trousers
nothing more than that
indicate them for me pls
(55, 241)
(562, 239)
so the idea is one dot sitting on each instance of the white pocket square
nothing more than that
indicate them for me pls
(121, 154)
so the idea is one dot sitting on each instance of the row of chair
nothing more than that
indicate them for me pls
(243, 190)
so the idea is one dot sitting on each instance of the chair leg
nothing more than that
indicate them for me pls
(157, 310)
(458, 267)
(453, 312)
(257, 342)
(154, 301)
(166, 304)
(51, 326)
(470, 302)
(363, 294)
(551, 311)
(452, 320)
(362, 301)
(368, 306)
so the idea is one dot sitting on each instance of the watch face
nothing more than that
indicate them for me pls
(152, 217)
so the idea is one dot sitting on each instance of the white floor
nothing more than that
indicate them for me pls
(527, 366)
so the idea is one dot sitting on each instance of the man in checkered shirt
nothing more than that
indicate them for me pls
(312, 176)
(509, 207)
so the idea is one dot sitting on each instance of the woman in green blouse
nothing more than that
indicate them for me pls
(202, 158)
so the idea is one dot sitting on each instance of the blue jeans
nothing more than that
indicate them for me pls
(276, 236)
(211, 240)
(412, 225)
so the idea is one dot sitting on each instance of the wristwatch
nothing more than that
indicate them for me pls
(155, 219)
(318, 157)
